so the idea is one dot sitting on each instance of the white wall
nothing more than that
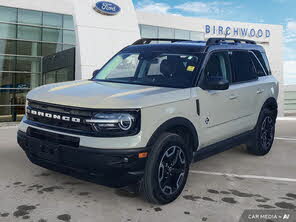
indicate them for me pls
(56, 6)
(99, 36)
(273, 44)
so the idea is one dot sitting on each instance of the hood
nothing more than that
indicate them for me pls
(104, 95)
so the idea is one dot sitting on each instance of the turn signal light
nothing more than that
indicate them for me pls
(143, 155)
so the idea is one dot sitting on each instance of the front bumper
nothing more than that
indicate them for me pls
(111, 167)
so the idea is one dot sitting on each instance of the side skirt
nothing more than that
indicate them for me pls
(222, 146)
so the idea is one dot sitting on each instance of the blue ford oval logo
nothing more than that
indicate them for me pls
(107, 8)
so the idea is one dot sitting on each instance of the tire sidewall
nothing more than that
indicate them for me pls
(152, 165)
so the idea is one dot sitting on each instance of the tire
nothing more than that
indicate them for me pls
(166, 169)
(264, 133)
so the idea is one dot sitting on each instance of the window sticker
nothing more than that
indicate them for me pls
(190, 68)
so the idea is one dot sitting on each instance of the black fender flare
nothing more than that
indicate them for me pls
(271, 104)
(172, 124)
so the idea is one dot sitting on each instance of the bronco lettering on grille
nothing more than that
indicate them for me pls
(54, 116)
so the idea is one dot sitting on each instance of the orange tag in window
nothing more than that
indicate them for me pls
(190, 68)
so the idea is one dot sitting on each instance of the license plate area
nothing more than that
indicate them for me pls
(45, 151)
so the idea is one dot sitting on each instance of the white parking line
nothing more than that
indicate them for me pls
(286, 118)
(285, 138)
(244, 176)
(7, 127)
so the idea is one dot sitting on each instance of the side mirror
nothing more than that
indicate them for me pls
(96, 72)
(216, 83)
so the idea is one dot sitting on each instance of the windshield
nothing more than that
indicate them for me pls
(153, 69)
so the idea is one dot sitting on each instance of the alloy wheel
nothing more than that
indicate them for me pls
(171, 171)
(267, 132)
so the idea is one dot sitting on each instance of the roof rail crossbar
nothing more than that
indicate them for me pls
(144, 41)
(215, 41)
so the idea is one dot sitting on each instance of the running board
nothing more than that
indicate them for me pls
(222, 146)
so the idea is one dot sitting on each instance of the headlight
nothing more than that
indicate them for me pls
(112, 124)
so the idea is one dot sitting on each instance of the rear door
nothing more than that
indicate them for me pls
(245, 86)
(267, 85)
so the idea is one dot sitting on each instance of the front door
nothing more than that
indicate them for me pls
(218, 108)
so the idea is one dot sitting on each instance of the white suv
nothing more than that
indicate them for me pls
(151, 111)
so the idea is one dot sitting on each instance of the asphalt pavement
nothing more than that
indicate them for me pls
(219, 188)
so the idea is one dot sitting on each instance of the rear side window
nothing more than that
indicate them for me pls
(243, 68)
(264, 61)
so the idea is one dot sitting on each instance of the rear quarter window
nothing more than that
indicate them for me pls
(263, 60)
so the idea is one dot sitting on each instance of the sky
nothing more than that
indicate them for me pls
(279, 12)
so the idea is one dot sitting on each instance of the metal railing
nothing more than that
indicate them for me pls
(290, 100)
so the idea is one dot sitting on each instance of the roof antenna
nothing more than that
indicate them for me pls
(225, 37)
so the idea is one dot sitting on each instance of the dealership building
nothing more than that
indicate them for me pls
(44, 42)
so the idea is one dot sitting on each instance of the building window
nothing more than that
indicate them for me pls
(182, 34)
(28, 48)
(149, 31)
(29, 17)
(25, 37)
(53, 20)
(51, 48)
(69, 37)
(8, 14)
(52, 35)
(197, 36)
(29, 33)
(8, 31)
(165, 33)
(68, 22)
(7, 46)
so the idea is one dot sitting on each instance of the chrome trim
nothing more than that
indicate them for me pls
(102, 121)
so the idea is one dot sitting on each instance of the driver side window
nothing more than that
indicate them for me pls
(218, 66)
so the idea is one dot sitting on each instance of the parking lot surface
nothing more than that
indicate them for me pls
(219, 188)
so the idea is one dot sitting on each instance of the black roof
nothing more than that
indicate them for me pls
(167, 47)
(192, 47)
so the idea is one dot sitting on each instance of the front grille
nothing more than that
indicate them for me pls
(59, 124)
(60, 109)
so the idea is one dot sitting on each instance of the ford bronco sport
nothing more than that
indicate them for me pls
(153, 109)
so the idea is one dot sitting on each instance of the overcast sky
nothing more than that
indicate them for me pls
(280, 12)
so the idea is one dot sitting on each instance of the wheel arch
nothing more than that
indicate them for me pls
(272, 105)
(180, 126)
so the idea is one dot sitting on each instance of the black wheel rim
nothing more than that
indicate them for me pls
(267, 132)
(171, 171)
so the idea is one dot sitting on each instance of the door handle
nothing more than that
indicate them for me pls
(259, 91)
(232, 97)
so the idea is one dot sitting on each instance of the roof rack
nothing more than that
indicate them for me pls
(145, 41)
(215, 41)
